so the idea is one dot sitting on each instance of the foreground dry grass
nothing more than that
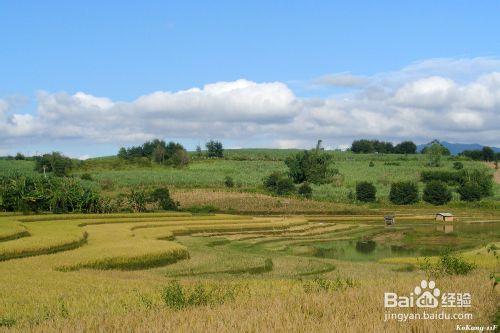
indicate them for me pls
(283, 306)
(35, 295)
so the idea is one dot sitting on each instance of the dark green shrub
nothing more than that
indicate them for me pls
(470, 191)
(173, 296)
(279, 184)
(214, 149)
(453, 265)
(482, 178)
(404, 193)
(56, 163)
(436, 193)
(458, 165)
(405, 147)
(179, 158)
(448, 177)
(161, 196)
(86, 176)
(137, 200)
(312, 166)
(284, 186)
(305, 190)
(488, 154)
(199, 296)
(371, 165)
(365, 192)
(178, 297)
(271, 181)
(434, 152)
(228, 182)
(19, 157)
(448, 264)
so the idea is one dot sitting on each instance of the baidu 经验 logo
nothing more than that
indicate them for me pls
(426, 295)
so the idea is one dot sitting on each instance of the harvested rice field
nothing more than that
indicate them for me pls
(219, 272)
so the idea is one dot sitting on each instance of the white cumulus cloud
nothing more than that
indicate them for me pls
(418, 102)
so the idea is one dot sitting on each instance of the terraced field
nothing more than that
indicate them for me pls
(113, 272)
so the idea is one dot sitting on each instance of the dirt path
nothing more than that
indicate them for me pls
(497, 172)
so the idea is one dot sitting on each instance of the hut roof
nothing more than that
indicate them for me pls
(445, 214)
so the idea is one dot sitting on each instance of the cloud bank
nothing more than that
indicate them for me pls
(451, 99)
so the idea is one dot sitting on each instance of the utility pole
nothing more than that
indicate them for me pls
(318, 145)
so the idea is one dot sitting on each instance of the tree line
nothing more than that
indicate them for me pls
(158, 151)
(485, 154)
(171, 153)
(366, 146)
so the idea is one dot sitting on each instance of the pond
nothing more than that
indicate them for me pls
(361, 250)
(462, 235)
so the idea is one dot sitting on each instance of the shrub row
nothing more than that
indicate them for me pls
(473, 185)
(55, 194)
(449, 177)
(38, 193)
(435, 192)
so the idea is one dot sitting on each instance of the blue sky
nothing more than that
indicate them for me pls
(122, 50)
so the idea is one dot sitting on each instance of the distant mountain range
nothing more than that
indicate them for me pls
(456, 148)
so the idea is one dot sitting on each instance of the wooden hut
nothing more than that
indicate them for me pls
(444, 217)
(389, 220)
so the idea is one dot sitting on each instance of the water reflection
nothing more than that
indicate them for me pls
(445, 228)
(366, 246)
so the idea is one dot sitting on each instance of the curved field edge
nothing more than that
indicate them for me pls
(8, 254)
(10, 230)
(57, 217)
(146, 261)
(47, 233)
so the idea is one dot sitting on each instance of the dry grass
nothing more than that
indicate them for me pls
(256, 203)
(284, 306)
(104, 285)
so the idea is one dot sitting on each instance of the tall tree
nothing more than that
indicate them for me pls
(215, 149)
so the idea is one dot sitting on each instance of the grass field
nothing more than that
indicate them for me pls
(182, 272)
(249, 174)
(248, 167)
